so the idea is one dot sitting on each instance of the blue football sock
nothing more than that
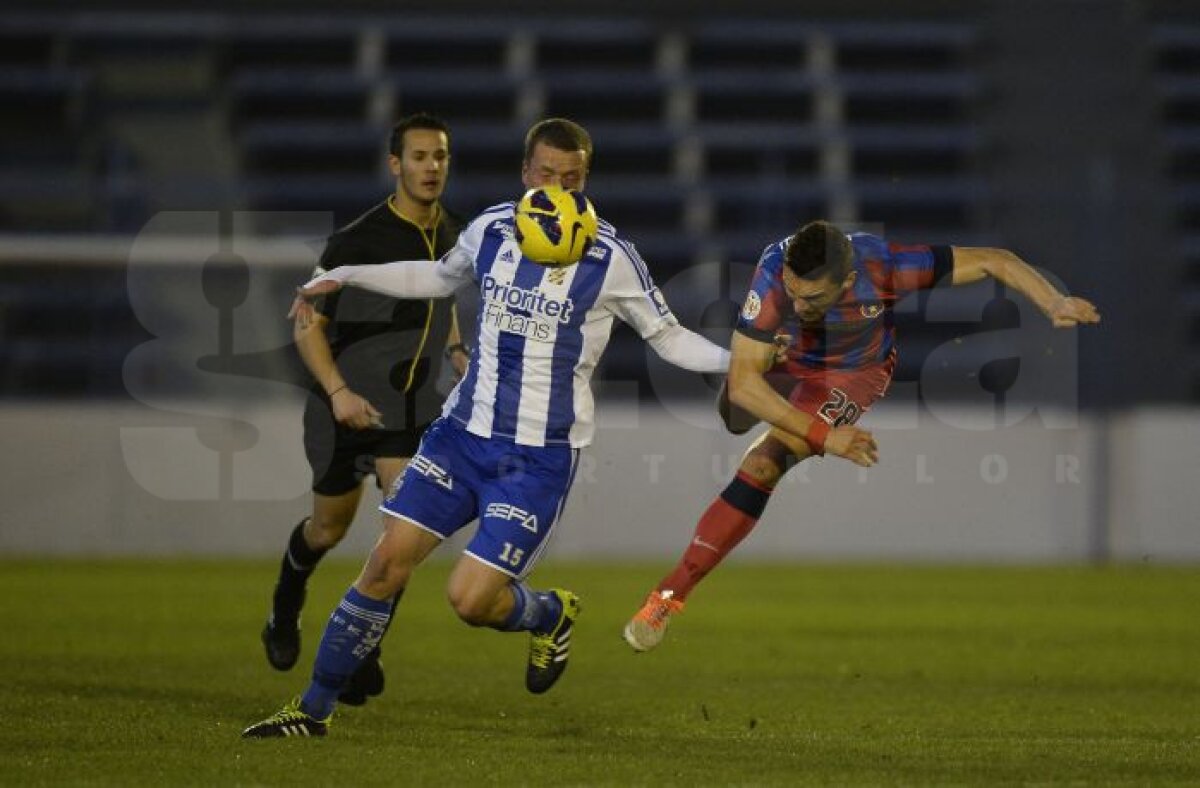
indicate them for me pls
(536, 611)
(355, 628)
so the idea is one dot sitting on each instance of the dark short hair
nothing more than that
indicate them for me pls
(817, 250)
(561, 134)
(419, 120)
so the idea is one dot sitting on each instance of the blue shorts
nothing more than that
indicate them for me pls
(517, 492)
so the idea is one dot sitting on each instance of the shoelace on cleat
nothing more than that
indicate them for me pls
(659, 611)
(541, 650)
(292, 713)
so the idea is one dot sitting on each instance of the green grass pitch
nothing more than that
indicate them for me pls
(144, 673)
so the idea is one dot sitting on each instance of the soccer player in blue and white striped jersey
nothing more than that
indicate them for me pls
(507, 445)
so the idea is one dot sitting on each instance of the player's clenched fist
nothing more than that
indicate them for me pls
(853, 444)
(354, 411)
(1070, 311)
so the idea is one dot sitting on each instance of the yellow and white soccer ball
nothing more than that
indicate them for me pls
(555, 226)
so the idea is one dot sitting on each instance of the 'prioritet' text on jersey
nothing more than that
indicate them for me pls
(517, 310)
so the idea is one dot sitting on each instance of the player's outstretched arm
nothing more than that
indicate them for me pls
(688, 350)
(974, 263)
(402, 279)
(749, 390)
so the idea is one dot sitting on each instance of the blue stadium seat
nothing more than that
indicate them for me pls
(933, 209)
(47, 155)
(298, 96)
(457, 96)
(902, 47)
(67, 330)
(739, 44)
(644, 150)
(594, 45)
(307, 203)
(639, 206)
(729, 97)
(285, 149)
(446, 44)
(891, 152)
(282, 43)
(487, 151)
(605, 97)
(909, 99)
(764, 151)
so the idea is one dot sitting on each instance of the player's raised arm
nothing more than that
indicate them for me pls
(972, 264)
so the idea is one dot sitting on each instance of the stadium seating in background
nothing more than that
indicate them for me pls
(48, 163)
(713, 136)
(757, 106)
(1176, 51)
(67, 330)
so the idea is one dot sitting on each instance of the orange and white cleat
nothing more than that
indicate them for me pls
(646, 629)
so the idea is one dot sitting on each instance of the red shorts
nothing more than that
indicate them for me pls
(837, 396)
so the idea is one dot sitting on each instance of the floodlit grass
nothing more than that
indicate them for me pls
(127, 673)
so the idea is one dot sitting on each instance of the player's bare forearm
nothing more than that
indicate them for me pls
(754, 395)
(454, 345)
(749, 390)
(313, 346)
(974, 263)
(348, 407)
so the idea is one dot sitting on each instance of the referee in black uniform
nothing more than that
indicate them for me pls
(374, 361)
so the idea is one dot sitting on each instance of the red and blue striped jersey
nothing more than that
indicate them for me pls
(859, 329)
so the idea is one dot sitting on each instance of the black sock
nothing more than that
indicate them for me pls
(298, 563)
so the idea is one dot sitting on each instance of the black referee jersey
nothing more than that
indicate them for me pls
(390, 351)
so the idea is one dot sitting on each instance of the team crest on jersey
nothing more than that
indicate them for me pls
(752, 306)
(505, 229)
(870, 311)
(557, 276)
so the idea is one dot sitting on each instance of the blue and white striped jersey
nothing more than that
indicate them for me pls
(541, 331)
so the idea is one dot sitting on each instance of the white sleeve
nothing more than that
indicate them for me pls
(413, 278)
(688, 350)
(632, 294)
(403, 279)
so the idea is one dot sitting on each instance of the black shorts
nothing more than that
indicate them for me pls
(341, 457)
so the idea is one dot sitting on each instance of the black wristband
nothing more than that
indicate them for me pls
(450, 351)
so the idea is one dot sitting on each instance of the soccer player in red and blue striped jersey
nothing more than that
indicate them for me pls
(815, 347)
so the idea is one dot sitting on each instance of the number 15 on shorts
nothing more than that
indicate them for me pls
(512, 555)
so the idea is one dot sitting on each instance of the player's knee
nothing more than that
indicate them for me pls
(763, 468)
(324, 533)
(473, 608)
(384, 574)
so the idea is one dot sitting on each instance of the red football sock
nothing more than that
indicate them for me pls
(726, 523)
